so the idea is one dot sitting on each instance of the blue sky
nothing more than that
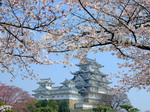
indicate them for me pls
(139, 98)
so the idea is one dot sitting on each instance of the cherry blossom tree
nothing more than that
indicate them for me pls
(114, 101)
(12, 94)
(31, 31)
(15, 96)
(21, 23)
(120, 99)
(120, 26)
(27, 106)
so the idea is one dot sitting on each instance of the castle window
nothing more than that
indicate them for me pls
(84, 68)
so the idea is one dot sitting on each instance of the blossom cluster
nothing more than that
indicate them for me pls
(33, 32)
(5, 108)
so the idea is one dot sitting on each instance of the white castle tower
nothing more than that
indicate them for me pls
(85, 90)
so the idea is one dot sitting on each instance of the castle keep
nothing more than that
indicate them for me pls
(84, 91)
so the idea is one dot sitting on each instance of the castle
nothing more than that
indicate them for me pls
(84, 91)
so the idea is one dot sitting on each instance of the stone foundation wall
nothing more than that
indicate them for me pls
(83, 108)
(92, 101)
(80, 110)
(72, 103)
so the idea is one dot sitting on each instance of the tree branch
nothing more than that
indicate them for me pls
(26, 27)
(106, 30)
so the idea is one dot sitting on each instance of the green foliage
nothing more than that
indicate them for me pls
(134, 110)
(9, 111)
(101, 109)
(54, 104)
(126, 107)
(48, 103)
(63, 107)
(45, 109)
(129, 108)
(42, 103)
(49, 106)
(2, 103)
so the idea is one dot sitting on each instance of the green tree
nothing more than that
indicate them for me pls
(134, 110)
(63, 107)
(126, 107)
(42, 103)
(45, 109)
(47, 106)
(95, 109)
(54, 104)
(129, 108)
(101, 109)
(105, 108)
